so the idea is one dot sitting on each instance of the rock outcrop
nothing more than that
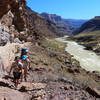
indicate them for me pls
(19, 21)
(64, 27)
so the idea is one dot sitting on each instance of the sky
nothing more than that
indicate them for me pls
(75, 9)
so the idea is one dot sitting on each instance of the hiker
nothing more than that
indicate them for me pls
(17, 70)
(25, 61)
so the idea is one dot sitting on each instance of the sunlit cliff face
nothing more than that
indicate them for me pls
(6, 5)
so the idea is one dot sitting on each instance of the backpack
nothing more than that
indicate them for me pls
(24, 57)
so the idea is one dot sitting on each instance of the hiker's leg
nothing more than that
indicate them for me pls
(18, 78)
(21, 78)
(25, 77)
(25, 74)
(16, 83)
(22, 75)
(14, 80)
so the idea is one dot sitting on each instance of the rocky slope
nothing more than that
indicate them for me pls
(19, 21)
(54, 75)
(90, 26)
(66, 26)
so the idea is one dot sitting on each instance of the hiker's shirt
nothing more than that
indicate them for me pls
(16, 67)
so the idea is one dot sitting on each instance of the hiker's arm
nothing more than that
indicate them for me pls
(10, 70)
(29, 64)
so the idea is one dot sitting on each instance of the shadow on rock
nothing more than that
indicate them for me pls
(7, 77)
(5, 84)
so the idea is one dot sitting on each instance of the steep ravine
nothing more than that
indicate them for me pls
(88, 59)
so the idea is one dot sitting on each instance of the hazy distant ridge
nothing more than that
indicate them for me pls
(67, 26)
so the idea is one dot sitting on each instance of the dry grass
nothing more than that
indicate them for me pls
(53, 44)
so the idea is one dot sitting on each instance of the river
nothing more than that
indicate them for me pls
(88, 59)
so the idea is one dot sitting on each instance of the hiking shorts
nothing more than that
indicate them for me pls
(17, 75)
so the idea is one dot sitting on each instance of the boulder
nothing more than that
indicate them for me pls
(4, 37)
(9, 94)
(16, 40)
